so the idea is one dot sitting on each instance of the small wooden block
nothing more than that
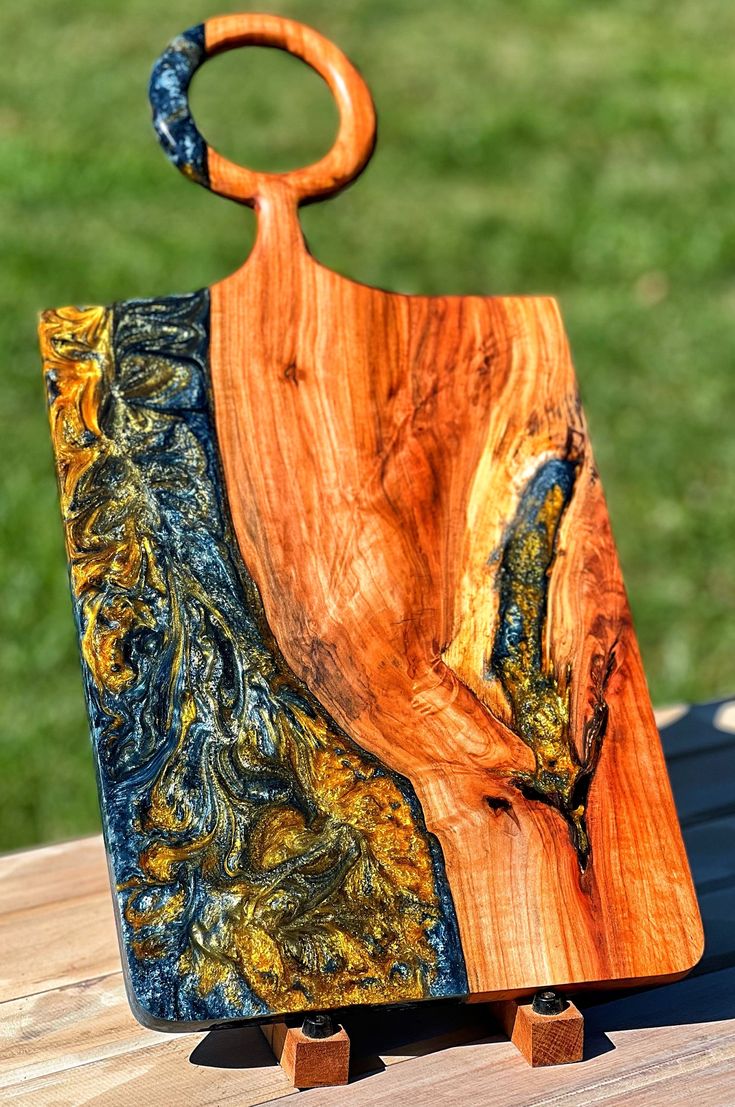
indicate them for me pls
(542, 1039)
(310, 1062)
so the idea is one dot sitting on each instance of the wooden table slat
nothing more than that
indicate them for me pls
(66, 1027)
(703, 785)
(52, 874)
(158, 1074)
(688, 731)
(64, 943)
(710, 855)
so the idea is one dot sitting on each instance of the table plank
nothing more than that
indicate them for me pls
(698, 727)
(80, 1026)
(718, 915)
(703, 785)
(700, 752)
(65, 1027)
(711, 851)
(700, 748)
(57, 944)
(160, 1074)
(51, 874)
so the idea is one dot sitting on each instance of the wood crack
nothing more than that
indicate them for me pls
(537, 690)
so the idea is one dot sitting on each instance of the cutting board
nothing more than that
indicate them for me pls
(368, 712)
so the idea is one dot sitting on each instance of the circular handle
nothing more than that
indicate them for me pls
(189, 152)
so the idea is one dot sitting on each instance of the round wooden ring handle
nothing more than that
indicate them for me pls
(184, 145)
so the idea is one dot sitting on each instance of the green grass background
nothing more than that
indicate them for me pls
(557, 146)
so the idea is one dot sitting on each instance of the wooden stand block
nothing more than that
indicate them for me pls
(542, 1039)
(310, 1062)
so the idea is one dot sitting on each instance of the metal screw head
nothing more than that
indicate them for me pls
(317, 1026)
(549, 1002)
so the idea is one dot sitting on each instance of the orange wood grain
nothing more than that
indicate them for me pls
(310, 1062)
(375, 447)
(356, 136)
(543, 1039)
(370, 443)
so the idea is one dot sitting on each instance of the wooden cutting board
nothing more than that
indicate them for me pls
(368, 710)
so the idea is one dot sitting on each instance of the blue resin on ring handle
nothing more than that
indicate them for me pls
(172, 119)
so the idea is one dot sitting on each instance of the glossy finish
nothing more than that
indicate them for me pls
(262, 861)
(190, 153)
(62, 991)
(172, 120)
(377, 449)
(369, 711)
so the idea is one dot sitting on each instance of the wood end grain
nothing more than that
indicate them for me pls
(542, 1039)
(310, 1062)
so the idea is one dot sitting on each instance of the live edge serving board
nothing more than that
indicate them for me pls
(368, 711)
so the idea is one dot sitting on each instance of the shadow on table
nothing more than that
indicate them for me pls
(699, 743)
(374, 1033)
(700, 754)
(242, 1047)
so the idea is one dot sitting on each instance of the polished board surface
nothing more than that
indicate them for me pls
(423, 517)
(368, 711)
(262, 862)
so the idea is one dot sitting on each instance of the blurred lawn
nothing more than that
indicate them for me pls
(586, 150)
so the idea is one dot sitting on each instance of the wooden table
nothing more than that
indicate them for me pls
(68, 1036)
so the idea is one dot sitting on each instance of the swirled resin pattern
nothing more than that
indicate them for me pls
(172, 120)
(262, 862)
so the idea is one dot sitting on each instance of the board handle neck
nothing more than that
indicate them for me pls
(271, 194)
(279, 231)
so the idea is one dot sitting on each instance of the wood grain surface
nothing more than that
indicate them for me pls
(381, 727)
(356, 136)
(376, 448)
(542, 1039)
(310, 1062)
